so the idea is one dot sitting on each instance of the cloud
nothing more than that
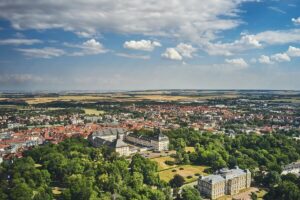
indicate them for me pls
(144, 45)
(89, 47)
(186, 50)
(188, 19)
(84, 34)
(133, 56)
(279, 36)
(246, 42)
(239, 62)
(18, 78)
(19, 41)
(46, 52)
(253, 41)
(296, 21)
(276, 9)
(263, 59)
(172, 54)
(281, 57)
(179, 52)
(293, 51)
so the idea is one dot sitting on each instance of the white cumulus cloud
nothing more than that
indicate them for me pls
(263, 59)
(239, 62)
(293, 51)
(296, 21)
(172, 54)
(246, 42)
(89, 47)
(144, 45)
(186, 50)
(281, 57)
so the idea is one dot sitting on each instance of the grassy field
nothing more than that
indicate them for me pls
(161, 162)
(261, 193)
(188, 170)
(93, 111)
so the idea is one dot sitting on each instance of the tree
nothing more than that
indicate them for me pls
(190, 193)
(21, 192)
(284, 191)
(177, 181)
(272, 179)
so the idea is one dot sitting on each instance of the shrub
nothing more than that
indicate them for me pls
(181, 168)
(170, 162)
(174, 170)
(197, 174)
(189, 177)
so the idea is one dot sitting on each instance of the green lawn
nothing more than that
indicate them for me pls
(188, 170)
(161, 162)
(261, 193)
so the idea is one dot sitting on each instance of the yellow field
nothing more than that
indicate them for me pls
(188, 170)
(161, 162)
(122, 97)
(163, 97)
(63, 98)
(93, 111)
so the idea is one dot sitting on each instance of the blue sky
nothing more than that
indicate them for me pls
(129, 45)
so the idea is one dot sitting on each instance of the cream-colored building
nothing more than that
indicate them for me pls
(224, 182)
(159, 142)
(116, 139)
(112, 138)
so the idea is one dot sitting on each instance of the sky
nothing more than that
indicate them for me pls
(102, 45)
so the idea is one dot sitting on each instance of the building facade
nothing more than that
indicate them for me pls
(112, 138)
(158, 142)
(293, 168)
(117, 139)
(224, 182)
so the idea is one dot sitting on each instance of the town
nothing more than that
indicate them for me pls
(149, 127)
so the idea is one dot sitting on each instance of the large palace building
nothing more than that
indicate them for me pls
(119, 139)
(224, 182)
(158, 142)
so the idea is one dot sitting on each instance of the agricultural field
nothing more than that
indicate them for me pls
(291, 100)
(89, 111)
(38, 100)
